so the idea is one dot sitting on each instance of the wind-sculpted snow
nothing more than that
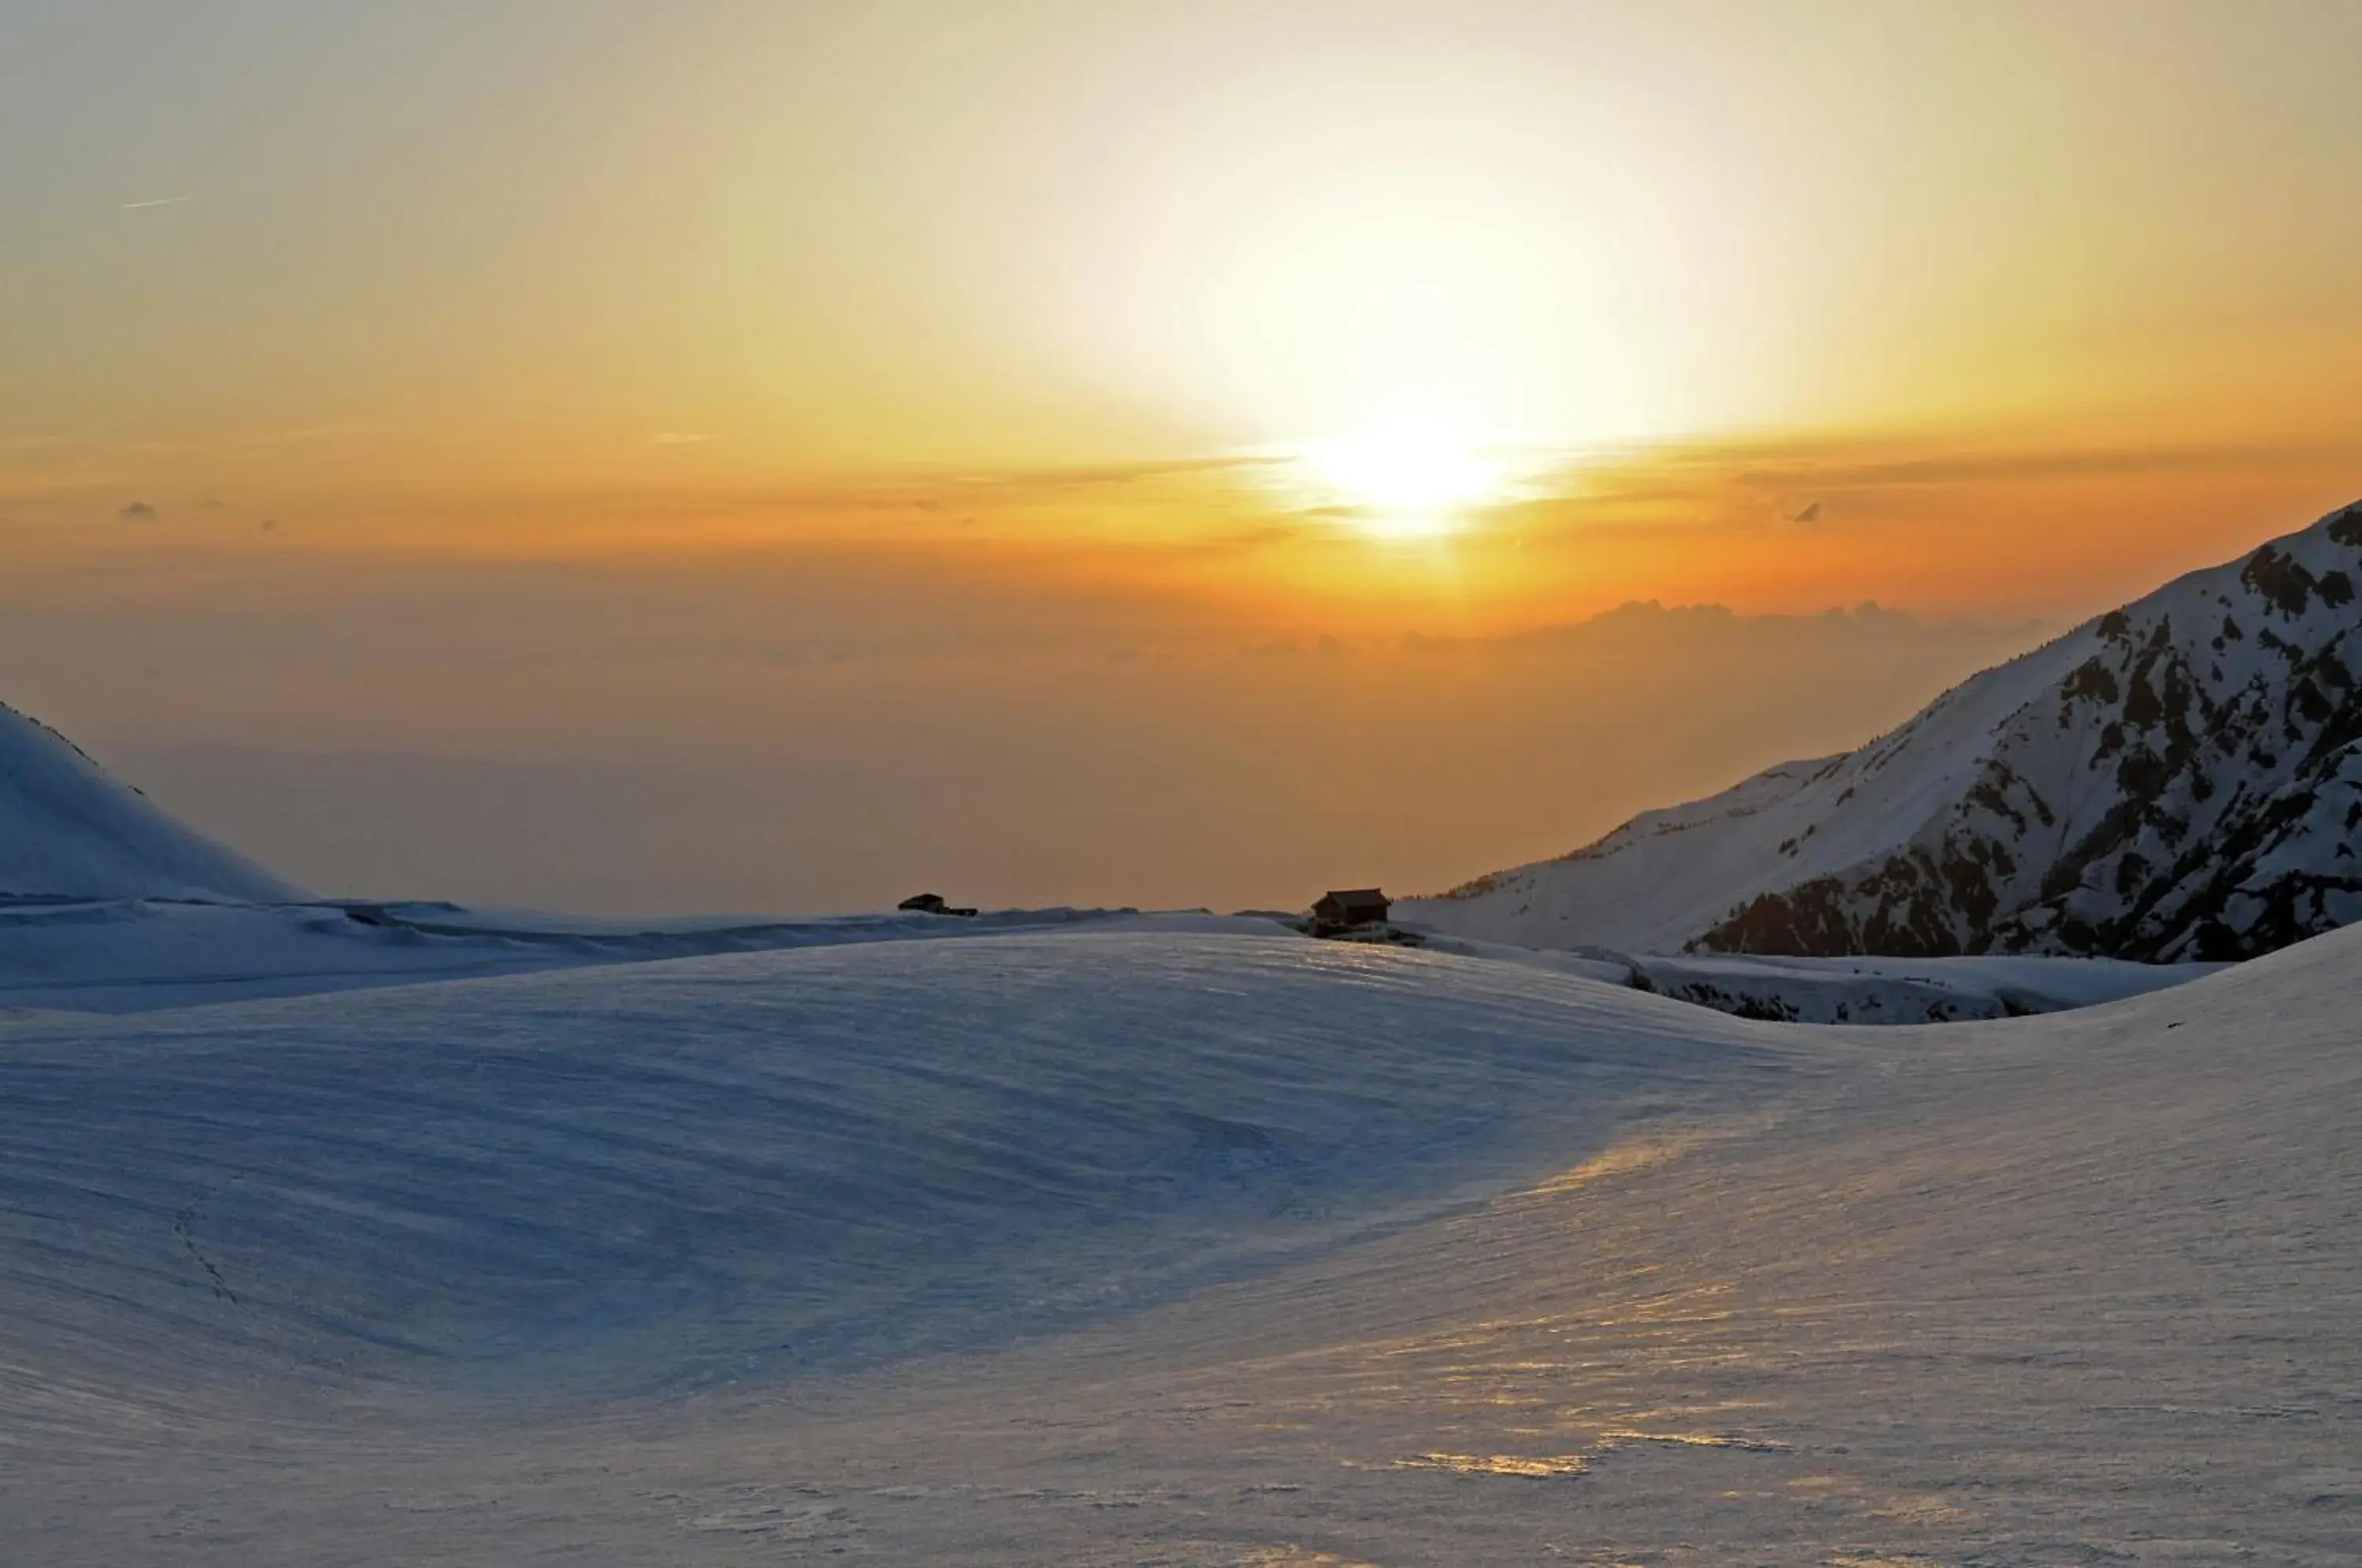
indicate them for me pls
(120, 955)
(59, 955)
(67, 828)
(704, 1168)
(2070, 1289)
(2181, 778)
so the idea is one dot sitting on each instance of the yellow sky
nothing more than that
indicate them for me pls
(1964, 306)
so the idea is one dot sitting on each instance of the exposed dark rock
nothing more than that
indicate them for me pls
(2170, 864)
(2180, 779)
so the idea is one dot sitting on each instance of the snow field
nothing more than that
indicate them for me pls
(2067, 1289)
(673, 1173)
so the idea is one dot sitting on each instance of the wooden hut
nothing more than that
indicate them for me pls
(1349, 909)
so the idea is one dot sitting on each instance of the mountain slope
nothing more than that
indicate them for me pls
(68, 829)
(2181, 778)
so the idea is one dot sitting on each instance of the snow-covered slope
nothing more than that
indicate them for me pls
(1862, 991)
(2178, 778)
(117, 955)
(1904, 990)
(124, 955)
(68, 829)
(693, 1168)
(355, 1279)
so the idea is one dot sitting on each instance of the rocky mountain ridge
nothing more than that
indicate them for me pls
(2180, 779)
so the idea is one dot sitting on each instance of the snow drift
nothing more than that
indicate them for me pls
(67, 829)
(696, 1167)
(1630, 1281)
(2181, 778)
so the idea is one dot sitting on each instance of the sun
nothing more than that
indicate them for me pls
(1406, 476)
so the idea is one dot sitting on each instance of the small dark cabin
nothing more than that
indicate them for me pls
(931, 903)
(1355, 906)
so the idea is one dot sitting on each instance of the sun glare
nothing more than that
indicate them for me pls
(1410, 476)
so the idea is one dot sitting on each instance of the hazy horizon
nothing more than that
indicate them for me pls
(736, 772)
(743, 454)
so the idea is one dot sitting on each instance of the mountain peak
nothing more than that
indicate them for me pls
(2181, 778)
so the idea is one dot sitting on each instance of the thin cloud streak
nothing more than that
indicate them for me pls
(159, 201)
(1754, 485)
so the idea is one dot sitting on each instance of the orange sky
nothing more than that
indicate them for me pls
(542, 280)
(1205, 325)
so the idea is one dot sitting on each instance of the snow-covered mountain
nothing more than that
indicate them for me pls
(67, 829)
(2181, 778)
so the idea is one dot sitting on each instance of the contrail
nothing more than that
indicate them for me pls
(159, 201)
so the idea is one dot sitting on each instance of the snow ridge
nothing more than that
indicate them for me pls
(67, 829)
(2177, 779)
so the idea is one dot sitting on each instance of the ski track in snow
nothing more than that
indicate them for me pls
(1180, 1247)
